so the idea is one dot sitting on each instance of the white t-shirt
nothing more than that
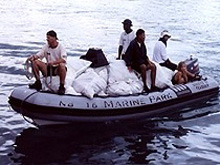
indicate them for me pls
(159, 54)
(125, 40)
(52, 54)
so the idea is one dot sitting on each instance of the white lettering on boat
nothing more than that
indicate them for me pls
(201, 85)
(160, 98)
(124, 103)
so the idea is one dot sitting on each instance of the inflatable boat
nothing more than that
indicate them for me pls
(47, 108)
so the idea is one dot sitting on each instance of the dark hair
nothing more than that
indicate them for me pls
(139, 32)
(52, 33)
(163, 40)
(181, 63)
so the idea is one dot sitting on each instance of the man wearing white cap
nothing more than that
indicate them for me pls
(56, 57)
(126, 37)
(160, 55)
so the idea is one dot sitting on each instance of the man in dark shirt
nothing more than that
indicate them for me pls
(136, 58)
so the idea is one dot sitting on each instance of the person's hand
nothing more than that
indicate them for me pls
(129, 68)
(151, 63)
(184, 69)
(50, 63)
(198, 77)
(31, 58)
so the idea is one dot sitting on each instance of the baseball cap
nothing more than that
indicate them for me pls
(127, 21)
(165, 33)
(52, 33)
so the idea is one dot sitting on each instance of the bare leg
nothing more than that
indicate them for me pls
(39, 66)
(61, 71)
(152, 67)
(143, 68)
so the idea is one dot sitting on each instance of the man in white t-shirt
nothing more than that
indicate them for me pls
(126, 37)
(159, 55)
(56, 57)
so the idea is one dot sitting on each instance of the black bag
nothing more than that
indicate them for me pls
(96, 56)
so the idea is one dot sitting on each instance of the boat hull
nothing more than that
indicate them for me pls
(45, 108)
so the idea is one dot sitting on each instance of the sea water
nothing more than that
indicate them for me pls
(189, 135)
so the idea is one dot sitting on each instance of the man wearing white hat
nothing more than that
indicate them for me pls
(160, 55)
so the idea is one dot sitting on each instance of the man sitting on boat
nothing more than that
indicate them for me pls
(126, 37)
(159, 55)
(56, 57)
(136, 58)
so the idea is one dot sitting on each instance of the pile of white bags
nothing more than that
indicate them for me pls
(114, 79)
(121, 81)
(163, 77)
(91, 82)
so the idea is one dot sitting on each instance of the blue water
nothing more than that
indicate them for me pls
(189, 135)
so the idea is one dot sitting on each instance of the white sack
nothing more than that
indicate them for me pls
(118, 72)
(136, 86)
(121, 80)
(102, 72)
(49, 84)
(125, 88)
(76, 67)
(71, 91)
(163, 77)
(119, 88)
(89, 83)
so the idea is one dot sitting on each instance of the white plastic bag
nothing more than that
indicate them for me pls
(118, 71)
(51, 83)
(163, 77)
(89, 83)
(76, 66)
(121, 80)
(119, 88)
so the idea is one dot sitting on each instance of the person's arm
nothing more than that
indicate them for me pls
(120, 48)
(40, 54)
(190, 74)
(128, 57)
(32, 57)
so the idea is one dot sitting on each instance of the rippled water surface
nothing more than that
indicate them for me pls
(183, 136)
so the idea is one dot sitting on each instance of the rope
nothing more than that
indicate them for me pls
(28, 69)
(22, 110)
(50, 82)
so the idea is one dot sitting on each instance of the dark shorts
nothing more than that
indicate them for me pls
(169, 65)
(137, 67)
(52, 70)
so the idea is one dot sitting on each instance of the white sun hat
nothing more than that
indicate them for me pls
(165, 33)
